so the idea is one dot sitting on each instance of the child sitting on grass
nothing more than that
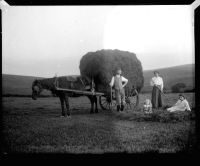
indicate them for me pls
(147, 107)
(181, 105)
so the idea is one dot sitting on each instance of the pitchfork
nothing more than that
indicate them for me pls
(110, 105)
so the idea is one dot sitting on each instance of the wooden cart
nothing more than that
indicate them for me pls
(107, 102)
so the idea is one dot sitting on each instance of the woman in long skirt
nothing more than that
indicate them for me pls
(157, 83)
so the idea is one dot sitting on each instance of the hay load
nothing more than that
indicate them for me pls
(101, 66)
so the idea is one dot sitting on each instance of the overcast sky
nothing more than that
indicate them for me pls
(44, 40)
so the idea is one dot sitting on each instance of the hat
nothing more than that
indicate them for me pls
(118, 69)
(156, 72)
(181, 95)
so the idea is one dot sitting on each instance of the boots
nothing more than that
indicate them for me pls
(122, 107)
(118, 108)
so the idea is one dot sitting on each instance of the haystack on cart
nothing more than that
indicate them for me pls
(101, 66)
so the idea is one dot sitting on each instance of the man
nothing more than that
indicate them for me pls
(157, 83)
(117, 81)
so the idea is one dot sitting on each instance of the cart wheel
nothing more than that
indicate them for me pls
(106, 104)
(131, 102)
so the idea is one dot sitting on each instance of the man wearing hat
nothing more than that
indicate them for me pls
(119, 82)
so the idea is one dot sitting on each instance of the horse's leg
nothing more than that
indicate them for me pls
(62, 104)
(67, 104)
(95, 101)
(92, 104)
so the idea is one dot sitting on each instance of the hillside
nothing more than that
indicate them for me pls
(16, 84)
(21, 85)
(172, 75)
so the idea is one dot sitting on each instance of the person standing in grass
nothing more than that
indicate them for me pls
(181, 105)
(119, 82)
(157, 83)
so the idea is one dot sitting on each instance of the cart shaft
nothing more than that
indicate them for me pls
(80, 92)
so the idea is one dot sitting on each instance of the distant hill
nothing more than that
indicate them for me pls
(16, 84)
(172, 75)
(21, 85)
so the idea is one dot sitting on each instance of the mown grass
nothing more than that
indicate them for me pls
(36, 127)
(156, 116)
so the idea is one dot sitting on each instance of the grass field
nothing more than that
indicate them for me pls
(36, 127)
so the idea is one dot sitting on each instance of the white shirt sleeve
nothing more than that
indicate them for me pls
(152, 82)
(161, 83)
(112, 82)
(187, 105)
(177, 103)
(124, 79)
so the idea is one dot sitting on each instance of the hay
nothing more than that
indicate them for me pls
(157, 116)
(101, 65)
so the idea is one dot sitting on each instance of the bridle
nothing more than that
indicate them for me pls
(38, 84)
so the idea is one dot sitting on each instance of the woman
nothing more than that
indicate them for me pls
(157, 83)
(181, 105)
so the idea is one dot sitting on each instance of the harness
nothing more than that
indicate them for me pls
(82, 82)
(38, 86)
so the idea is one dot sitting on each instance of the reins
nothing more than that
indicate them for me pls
(82, 82)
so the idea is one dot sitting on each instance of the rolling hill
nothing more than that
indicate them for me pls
(18, 85)
(172, 75)
(21, 85)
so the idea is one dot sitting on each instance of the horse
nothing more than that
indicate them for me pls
(69, 82)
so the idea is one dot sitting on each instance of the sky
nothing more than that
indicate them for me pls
(47, 40)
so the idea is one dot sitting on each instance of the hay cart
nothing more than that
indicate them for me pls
(107, 102)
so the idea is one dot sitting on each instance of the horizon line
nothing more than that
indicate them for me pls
(169, 66)
(77, 74)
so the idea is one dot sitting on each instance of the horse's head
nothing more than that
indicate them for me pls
(36, 89)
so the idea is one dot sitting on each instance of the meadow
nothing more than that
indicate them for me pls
(36, 127)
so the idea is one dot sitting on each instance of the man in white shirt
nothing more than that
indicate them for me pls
(157, 83)
(117, 81)
(181, 105)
